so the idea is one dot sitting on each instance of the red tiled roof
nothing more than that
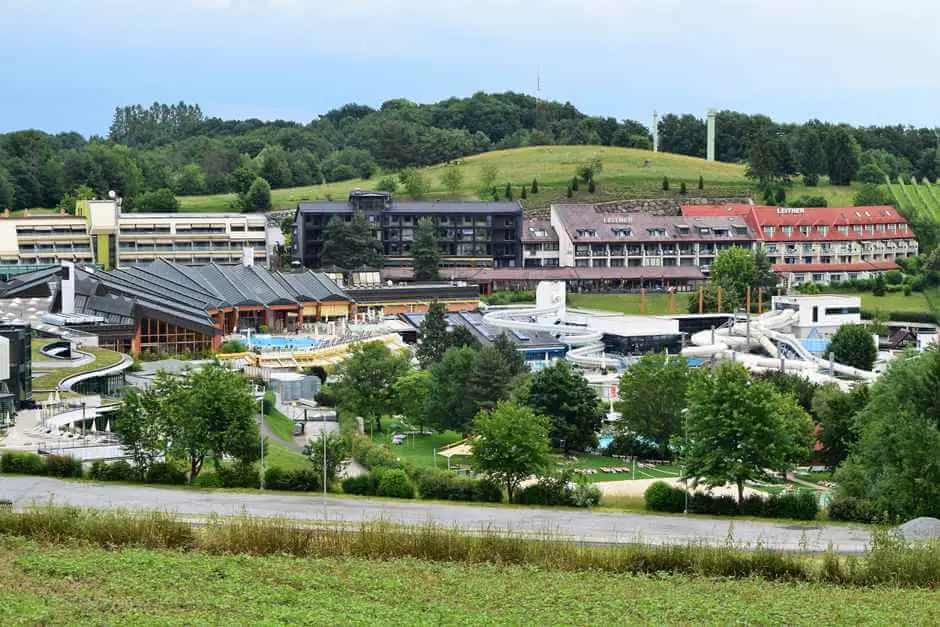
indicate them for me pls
(864, 266)
(758, 216)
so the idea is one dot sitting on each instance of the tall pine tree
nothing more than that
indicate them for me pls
(434, 339)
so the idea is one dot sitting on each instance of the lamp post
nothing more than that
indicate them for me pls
(685, 452)
(261, 437)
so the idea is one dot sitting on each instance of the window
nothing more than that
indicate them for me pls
(823, 230)
(807, 260)
(623, 232)
(880, 228)
(841, 311)
(857, 228)
(616, 263)
(581, 263)
(704, 230)
(893, 228)
(787, 230)
(869, 228)
(844, 229)
(599, 263)
(805, 229)
(769, 231)
(586, 233)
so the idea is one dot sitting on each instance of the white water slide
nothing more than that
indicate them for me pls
(732, 341)
(735, 341)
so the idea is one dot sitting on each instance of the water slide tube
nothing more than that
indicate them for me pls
(733, 342)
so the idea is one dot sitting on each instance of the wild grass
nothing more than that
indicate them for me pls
(889, 561)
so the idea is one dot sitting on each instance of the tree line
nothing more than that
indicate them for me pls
(176, 147)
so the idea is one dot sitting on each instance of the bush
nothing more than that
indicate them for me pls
(448, 486)
(894, 277)
(702, 503)
(371, 455)
(364, 485)
(585, 494)
(166, 473)
(63, 466)
(905, 316)
(238, 475)
(800, 505)
(908, 288)
(852, 509)
(395, 483)
(115, 471)
(546, 491)
(22, 463)
(662, 497)
(232, 346)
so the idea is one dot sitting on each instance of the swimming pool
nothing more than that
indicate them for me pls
(281, 341)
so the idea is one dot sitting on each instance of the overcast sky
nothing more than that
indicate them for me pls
(65, 64)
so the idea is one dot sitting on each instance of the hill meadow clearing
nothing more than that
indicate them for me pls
(627, 173)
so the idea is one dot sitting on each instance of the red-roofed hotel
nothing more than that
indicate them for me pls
(823, 244)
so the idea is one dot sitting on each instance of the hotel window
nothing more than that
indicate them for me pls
(787, 230)
(904, 227)
(844, 229)
(857, 228)
(893, 228)
(805, 229)
(880, 228)
(824, 230)
(769, 231)
(869, 228)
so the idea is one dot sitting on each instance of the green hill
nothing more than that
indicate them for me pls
(627, 173)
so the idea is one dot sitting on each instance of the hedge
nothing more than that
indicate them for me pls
(448, 486)
(63, 466)
(305, 480)
(559, 490)
(929, 317)
(662, 497)
(853, 509)
(22, 463)
(165, 473)
(395, 483)
(115, 471)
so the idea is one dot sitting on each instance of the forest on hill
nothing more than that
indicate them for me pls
(176, 147)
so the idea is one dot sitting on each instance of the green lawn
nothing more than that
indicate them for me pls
(280, 425)
(625, 175)
(79, 585)
(419, 450)
(656, 303)
(50, 378)
(279, 456)
(600, 461)
(892, 301)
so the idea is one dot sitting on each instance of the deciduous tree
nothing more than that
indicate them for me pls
(366, 385)
(738, 428)
(567, 399)
(652, 397)
(512, 445)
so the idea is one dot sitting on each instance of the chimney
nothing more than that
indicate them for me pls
(248, 256)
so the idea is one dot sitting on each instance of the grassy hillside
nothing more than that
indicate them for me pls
(67, 584)
(625, 175)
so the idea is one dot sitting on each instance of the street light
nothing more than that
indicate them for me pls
(685, 452)
(261, 436)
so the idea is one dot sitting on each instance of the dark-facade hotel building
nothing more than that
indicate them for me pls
(471, 234)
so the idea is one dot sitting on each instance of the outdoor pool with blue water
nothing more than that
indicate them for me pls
(281, 341)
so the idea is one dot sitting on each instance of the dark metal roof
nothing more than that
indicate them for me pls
(418, 207)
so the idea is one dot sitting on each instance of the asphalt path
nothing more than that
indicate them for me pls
(584, 526)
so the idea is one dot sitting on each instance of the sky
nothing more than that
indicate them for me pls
(66, 64)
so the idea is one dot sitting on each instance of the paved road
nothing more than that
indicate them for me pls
(601, 527)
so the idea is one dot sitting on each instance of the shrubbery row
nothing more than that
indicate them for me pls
(662, 497)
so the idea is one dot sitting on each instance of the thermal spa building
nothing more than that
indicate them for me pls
(165, 307)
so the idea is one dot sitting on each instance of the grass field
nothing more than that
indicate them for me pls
(49, 379)
(419, 450)
(624, 175)
(893, 301)
(658, 304)
(78, 585)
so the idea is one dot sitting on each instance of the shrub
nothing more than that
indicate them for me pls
(276, 479)
(448, 486)
(304, 480)
(364, 485)
(662, 497)
(63, 466)
(800, 505)
(852, 509)
(22, 463)
(635, 446)
(546, 491)
(115, 471)
(238, 475)
(585, 494)
(372, 455)
(166, 473)
(232, 346)
(702, 503)
(908, 288)
(395, 483)
(894, 277)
